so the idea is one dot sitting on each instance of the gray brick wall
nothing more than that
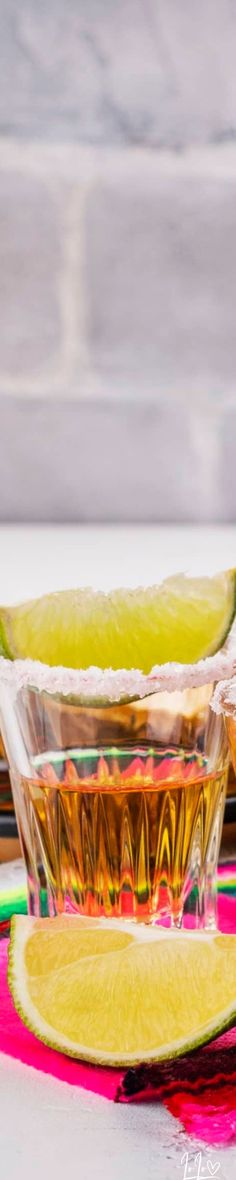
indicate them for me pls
(117, 259)
(160, 73)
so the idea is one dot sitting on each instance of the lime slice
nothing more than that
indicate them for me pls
(119, 996)
(183, 619)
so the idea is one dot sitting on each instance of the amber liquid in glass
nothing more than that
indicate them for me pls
(127, 822)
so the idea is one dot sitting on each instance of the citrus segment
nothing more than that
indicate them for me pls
(183, 619)
(119, 996)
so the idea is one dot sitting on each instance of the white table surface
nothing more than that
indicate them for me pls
(47, 1128)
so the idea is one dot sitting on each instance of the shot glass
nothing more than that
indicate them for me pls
(119, 784)
(224, 704)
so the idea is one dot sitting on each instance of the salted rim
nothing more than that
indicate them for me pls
(224, 697)
(96, 683)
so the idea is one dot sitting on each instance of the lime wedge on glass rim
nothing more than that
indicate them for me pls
(118, 995)
(183, 619)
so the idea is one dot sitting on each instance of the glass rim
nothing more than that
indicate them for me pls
(112, 685)
(224, 697)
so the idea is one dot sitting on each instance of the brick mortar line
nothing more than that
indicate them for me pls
(86, 161)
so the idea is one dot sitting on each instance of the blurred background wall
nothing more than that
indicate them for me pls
(118, 260)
